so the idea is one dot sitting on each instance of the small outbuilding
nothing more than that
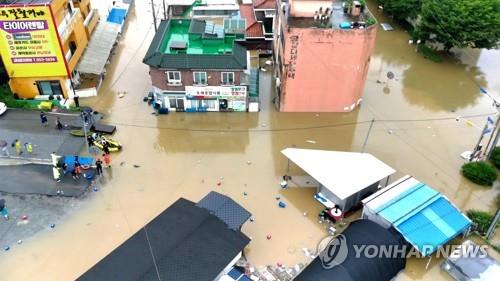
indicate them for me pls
(362, 268)
(425, 217)
(342, 179)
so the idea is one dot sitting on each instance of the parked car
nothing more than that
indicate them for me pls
(3, 108)
(470, 263)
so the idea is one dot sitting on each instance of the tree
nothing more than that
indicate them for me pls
(402, 9)
(461, 23)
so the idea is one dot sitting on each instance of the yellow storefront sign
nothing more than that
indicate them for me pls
(29, 42)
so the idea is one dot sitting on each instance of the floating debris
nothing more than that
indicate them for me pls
(311, 141)
(252, 219)
(137, 166)
(53, 225)
(95, 189)
(278, 197)
(249, 162)
(19, 242)
(389, 131)
(24, 217)
(282, 204)
(305, 214)
(245, 194)
(219, 183)
(122, 163)
(283, 184)
(6, 248)
(268, 237)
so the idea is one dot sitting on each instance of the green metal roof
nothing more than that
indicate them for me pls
(202, 52)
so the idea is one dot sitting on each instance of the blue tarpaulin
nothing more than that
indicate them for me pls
(117, 15)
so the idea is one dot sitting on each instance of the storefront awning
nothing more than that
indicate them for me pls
(96, 55)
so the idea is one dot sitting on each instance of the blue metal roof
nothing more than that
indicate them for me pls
(424, 217)
(407, 202)
(237, 275)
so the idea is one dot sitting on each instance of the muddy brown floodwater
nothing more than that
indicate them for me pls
(186, 154)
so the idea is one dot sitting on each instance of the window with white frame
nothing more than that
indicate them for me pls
(227, 78)
(199, 78)
(174, 77)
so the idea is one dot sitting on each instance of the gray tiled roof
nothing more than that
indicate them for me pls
(185, 243)
(156, 58)
(225, 209)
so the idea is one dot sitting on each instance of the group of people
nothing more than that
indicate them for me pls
(45, 121)
(18, 146)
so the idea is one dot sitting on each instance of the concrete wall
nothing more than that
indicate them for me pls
(26, 88)
(323, 70)
(307, 8)
(159, 78)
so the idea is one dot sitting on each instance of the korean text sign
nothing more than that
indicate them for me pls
(29, 42)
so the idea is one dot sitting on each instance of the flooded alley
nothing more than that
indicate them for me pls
(422, 124)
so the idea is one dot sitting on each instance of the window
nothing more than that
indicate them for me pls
(174, 77)
(200, 78)
(49, 87)
(269, 13)
(227, 78)
(72, 47)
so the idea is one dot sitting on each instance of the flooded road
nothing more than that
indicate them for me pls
(186, 154)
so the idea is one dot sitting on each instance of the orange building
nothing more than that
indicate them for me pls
(42, 42)
(322, 51)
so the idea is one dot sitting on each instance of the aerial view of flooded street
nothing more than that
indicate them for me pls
(414, 115)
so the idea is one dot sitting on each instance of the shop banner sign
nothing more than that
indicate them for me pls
(216, 91)
(29, 42)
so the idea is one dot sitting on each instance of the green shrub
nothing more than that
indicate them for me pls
(429, 53)
(480, 172)
(495, 157)
(481, 220)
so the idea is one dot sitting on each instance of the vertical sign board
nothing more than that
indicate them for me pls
(29, 43)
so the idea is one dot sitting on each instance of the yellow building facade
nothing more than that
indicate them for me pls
(41, 44)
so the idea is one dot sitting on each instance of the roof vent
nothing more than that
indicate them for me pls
(178, 45)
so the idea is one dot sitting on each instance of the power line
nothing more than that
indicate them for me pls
(326, 126)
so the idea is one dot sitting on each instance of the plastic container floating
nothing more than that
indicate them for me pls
(6, 248)
(283, 184)
(282, 204)
(53, 225)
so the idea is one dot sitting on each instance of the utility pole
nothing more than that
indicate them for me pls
(493, 225)
(367, 135)
(496, 130)
(154, 14)
(164, 11)
(82, 115)
(478, 145)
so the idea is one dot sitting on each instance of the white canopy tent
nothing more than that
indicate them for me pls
(97, 53)
(345, 178)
